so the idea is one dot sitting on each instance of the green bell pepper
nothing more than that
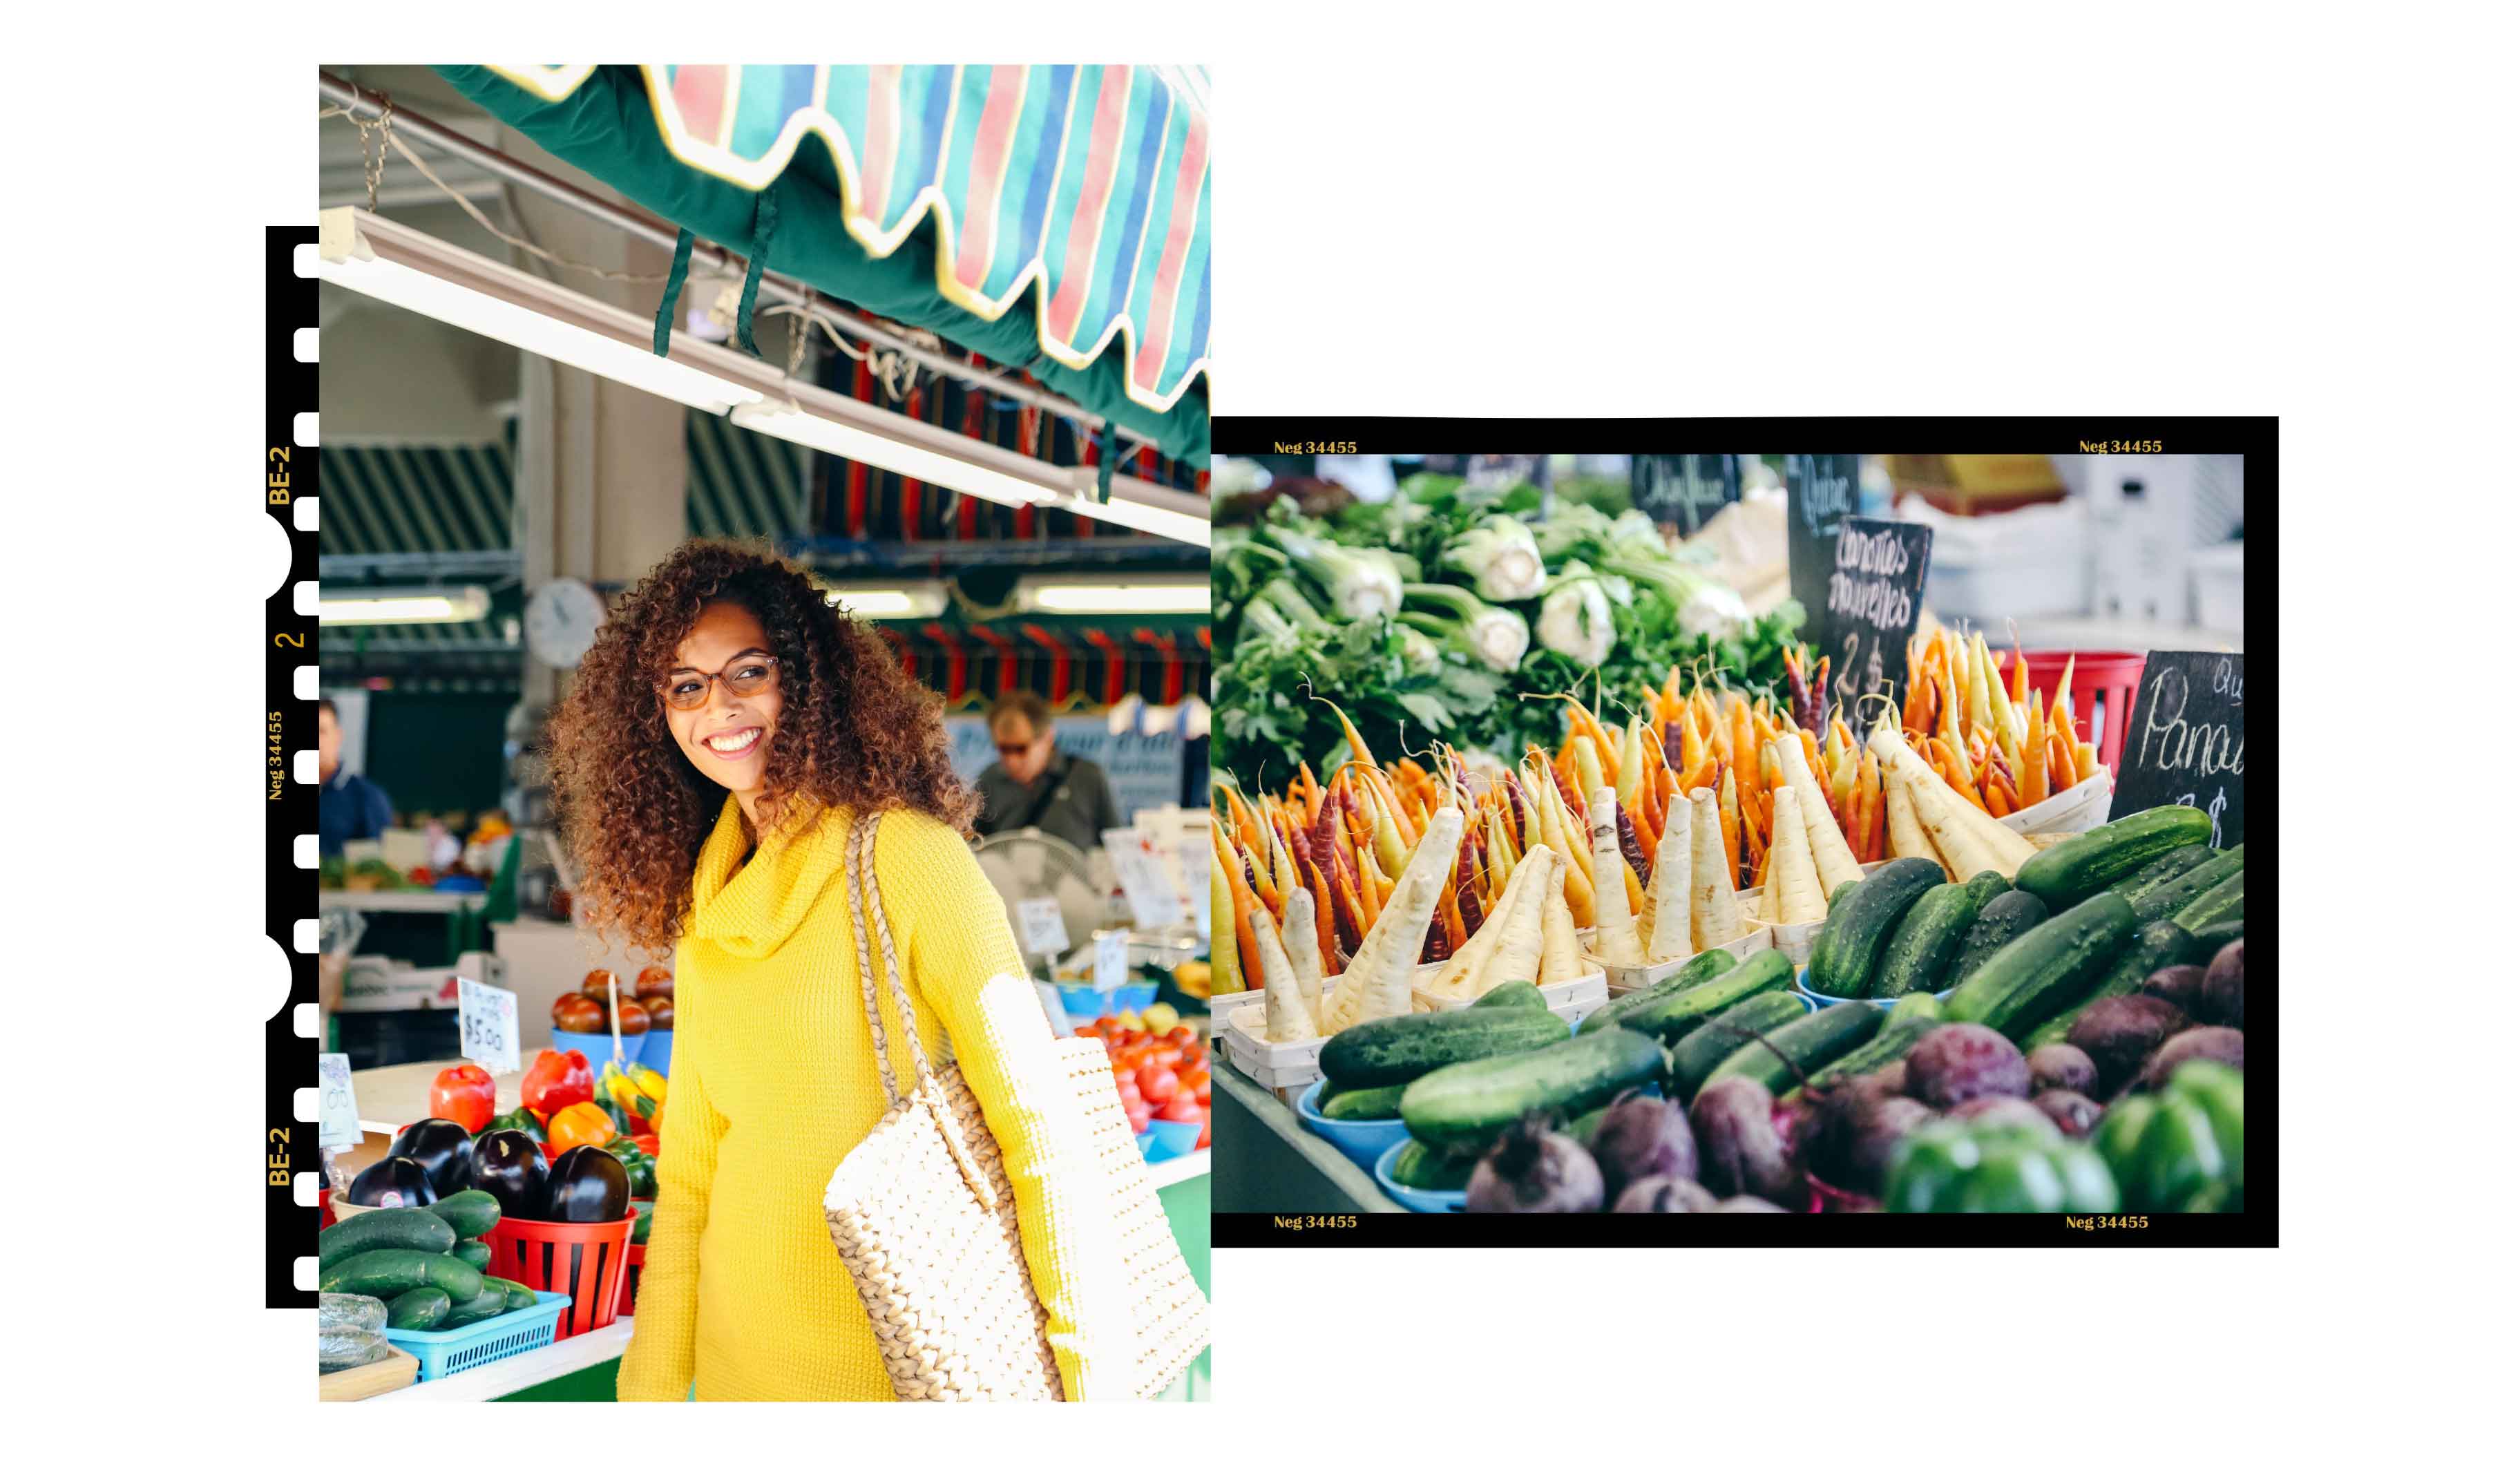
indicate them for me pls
(518, 1119)
(2215, 1090)
(645, 1212)
(1951, 1167)
(2178, 1150)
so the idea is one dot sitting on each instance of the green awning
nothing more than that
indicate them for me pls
(937, 195)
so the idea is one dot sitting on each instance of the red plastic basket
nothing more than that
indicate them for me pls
(324, 1209)
(581, 1259)
(637, 1260)
(2104, 688)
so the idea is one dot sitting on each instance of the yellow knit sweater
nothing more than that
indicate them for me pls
(774, 1081)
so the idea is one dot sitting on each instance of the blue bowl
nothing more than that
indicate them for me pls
(657, 1049)
(1147, 1140)
(1131, 997)
(1815, 1001)
(1171, 1139)
(598, 1047)
(1081, 1002)
(1412, 1197)
(1361, 1141)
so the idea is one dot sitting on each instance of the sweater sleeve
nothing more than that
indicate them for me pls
(961, 959)
(659, 1364)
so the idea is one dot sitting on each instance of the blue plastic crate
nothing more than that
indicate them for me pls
(454, 1351)
(1815, 1001)
(598, 1047)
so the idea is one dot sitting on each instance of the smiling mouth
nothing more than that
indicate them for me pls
(734, 744)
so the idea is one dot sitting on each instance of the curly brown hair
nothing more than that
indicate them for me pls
(853, 729)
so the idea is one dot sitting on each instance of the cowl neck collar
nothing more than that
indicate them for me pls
(752, 907)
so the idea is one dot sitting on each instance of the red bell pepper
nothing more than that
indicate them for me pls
(558, 1079)
(465, 1094)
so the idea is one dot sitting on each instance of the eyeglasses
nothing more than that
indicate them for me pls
(1014, 749)
(745, 677)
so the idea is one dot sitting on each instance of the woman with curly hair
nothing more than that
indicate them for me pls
(720, 741)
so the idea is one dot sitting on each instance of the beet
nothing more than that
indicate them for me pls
(1998, 1112)
(1534, 1169)
(2118, 1032)
(1963, 1061)
(2184, 985)
(1739, 1148)
(1858, 1133)
(1747, 1203)
(2062, 1066)
(2221, 1046)
(1665, 1193)
(2075, 1114)
(2221, 1001)
(1642, 1137)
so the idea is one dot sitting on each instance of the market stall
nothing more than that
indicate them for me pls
(1899, 918)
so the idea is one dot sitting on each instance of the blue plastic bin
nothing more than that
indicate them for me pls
(598, 1047)
(1815, 1001)
(1412, 1197)
(657, 1050)
(1173, 1139)
(454, 1351)
(1360, 1140)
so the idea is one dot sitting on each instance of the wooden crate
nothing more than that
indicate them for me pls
(392, 1372)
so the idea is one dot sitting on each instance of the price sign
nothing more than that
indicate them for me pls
(1195, 855)
(1110, 960)
(487, 1026)
(1875, 588)
(2183, 743)
(1820, 493)
(1040, 927)
(1144, 880)
(337, 1104)
(1684, 488)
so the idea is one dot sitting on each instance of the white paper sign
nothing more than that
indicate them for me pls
(337, 1111)
(487, 1026)
(1153, 903)
(1060, 1025)
(1110, 960)
(1040, 927)
(1193, 856)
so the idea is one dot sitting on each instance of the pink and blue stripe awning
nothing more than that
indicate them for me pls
(1084, 187)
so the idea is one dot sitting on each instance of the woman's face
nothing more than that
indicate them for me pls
(727, 736)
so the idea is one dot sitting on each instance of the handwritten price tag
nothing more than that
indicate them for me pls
(337, 1109)
(486, 1025)
(1153, 901)
(1193, 856)
(1110, 960)
(1040, 927)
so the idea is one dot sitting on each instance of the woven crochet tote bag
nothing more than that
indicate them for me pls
(924, 1219)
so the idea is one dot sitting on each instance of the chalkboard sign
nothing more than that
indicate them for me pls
(1820, 493)
(2183, 745)
(1876, 587)
(1684, 488)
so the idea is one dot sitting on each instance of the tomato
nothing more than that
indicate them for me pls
(653, 982)
(1201, 1089)
(1138, 1116)
(595, 985)
(1183, 1033)
(1204, 1121)
(1156, 1082)
(577, 1013)
(1086, 1034)
(1181, 1106)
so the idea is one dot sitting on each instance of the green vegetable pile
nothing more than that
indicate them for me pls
(1455, 612)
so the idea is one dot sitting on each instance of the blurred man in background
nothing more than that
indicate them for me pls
(350, 807)
(1035, 786)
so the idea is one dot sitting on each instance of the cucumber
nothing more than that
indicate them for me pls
(420, 1309)
(1706, 967)
(490, 1304)
(471, 1214)
(410, 1228)
(2065, 875)
(1851, 941)
(391, 1272)
(1784, 1058)
(2167, 900)
(1921, 947)
(2178, 862)
(1891, 1043)
(1695, 1056)
(2213, 938)
(1381, 1103)
(1913, 1007)
(1997, 922)
(1429, 1170)
(2156, 945)
(473, 1254)
(1396, 1050)
(1466, 1106)
(518, 1294)
(2037, 973)
(1988, 885)
(2222, 904)
(1671, 1015)
(1514, 994)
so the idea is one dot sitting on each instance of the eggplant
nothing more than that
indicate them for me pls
(509, 1165)
(394, 1181)
(587, 1183)
(444, 1149)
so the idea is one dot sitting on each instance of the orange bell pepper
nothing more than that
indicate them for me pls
(581, 1124)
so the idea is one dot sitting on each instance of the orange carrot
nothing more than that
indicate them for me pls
(1728, 810)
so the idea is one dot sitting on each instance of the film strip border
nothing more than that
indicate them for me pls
(293, 1035)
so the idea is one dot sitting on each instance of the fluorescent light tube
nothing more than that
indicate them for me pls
(450, 603)
(888, 602)
(841, 439)
(1152, 596)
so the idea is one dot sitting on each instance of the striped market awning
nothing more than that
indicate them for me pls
(1082, 186)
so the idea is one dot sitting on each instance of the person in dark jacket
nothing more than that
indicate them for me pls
(1035, 786)
(349, 808)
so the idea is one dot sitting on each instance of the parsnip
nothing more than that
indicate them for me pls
(1714, 910)
(1558, 960)
(1667, 938)
(1377, 984)
(1464, 965)
(1288, 1021)
(1832, 858)
(1937, 806)
(1907, 836)
(1614, 926)
(1514, 954)
(1956, 842)
(1304, 953)
(1791, 875)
